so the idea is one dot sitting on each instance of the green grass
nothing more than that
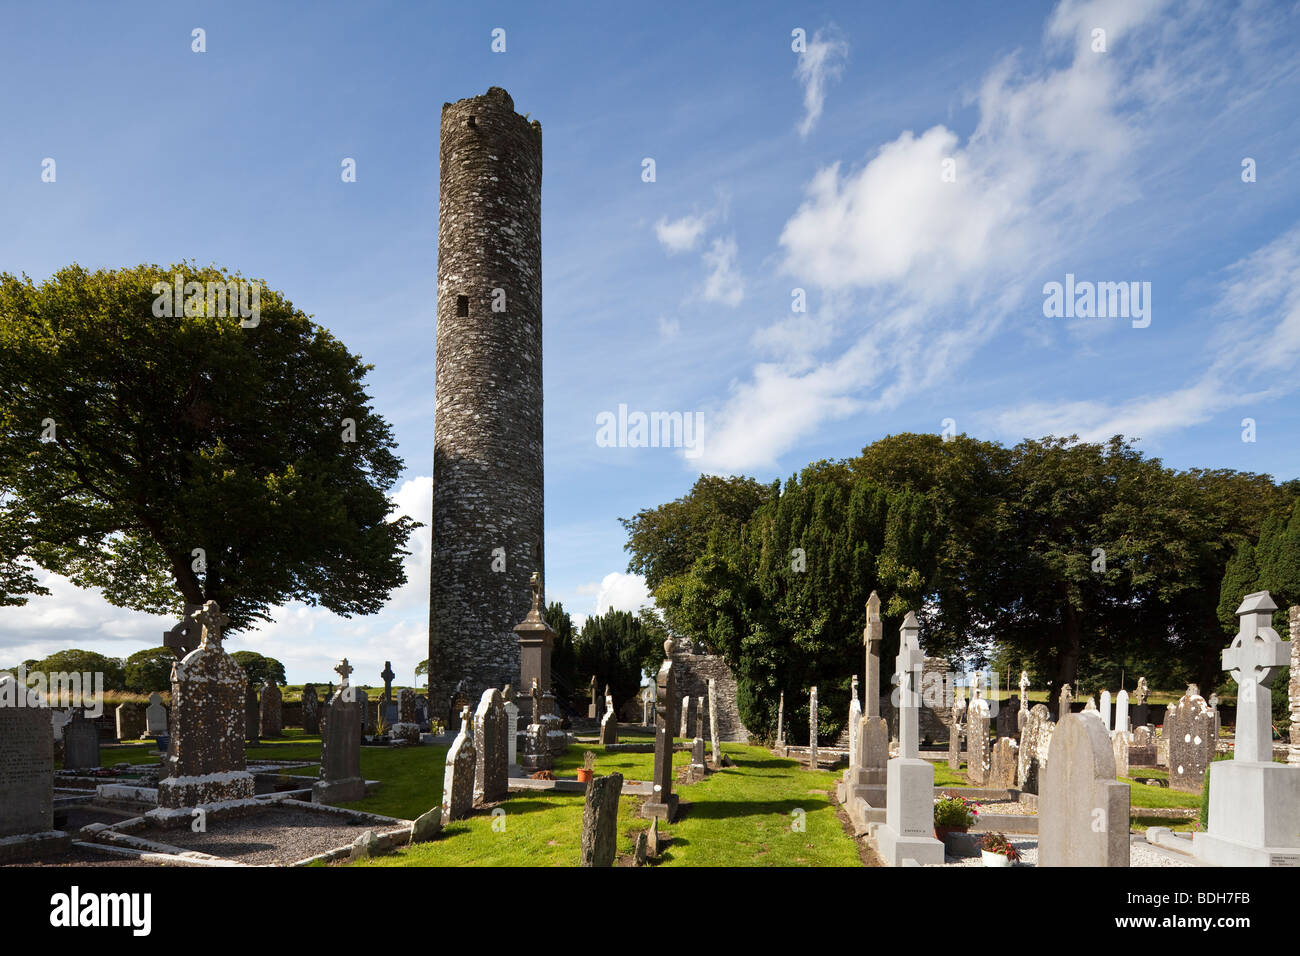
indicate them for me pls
(739, 816)
(1149, 795)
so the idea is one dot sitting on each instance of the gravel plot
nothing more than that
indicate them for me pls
(78, 857)
(269, 837)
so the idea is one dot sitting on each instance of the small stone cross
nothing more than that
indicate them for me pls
(1257, 651)
(212, 621)
(344, 670)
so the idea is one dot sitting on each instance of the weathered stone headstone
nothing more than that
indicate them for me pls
(130, 721)
(155, 716)
(1104, 706)
(1119, 747)
(1213, 703)
(1293, 688)
(780, 721)
(663, 802)
(406, 705)
(599, 842)
(1254, 815)
(977, 741)
(609, 723)
(1140, 710)
(812, 729)
(698, 769)
(1083, 811)
(340, 759)
(537, 752)
(387, 675)
(908, 831)
(1034, 742)
(512, 733)
(1189, 728)
(1006, 722)
(491, 754)
(702, 718)
(1142, 751)
(272, 715)
(855, 718)
(1003, 763)
(1022, 716)
(184, 637)
(713, 722)
(593, 709)
(310, 710)
(365, 711)
(872, 634)
(1063, 702)
(205, 751)
(956, 728)
(26, 761)
(252, 714)
(686, 716)
(80, 743)
(458, 777)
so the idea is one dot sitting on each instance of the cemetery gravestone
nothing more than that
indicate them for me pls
(1003, 764)
(1254, 815)
(609, 723)
(1034, 742)
(1119, 747)
(1142, 751)
(1104, 707)
(252, 714)
(205, 751)
(1083, 811)
(364, 711)
(458, 777)
(713, 721)
(155, 716)
(593, 709)
(812, 729)
(490, 748)
(908, 831)
(780, 721)
(872, 634)
(310, 710)
(1189, 728)
(1121, 712)
(686, 716)
(130, 721)
(1022, 716)
(512, 732)
(340, 763)
(600, 820)
(697, 770)
(1141, 709)
(80, 743)
(955, 725)
(977, 741)
(663, 802)
(272, 714)
(1063, 702)
(26, 762)
(855, 717)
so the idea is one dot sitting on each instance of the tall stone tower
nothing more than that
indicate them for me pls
(487, 440)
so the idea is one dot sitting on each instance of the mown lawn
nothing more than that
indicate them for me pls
(743, 815)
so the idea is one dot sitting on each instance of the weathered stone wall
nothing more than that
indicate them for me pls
(487, 459)
(691, 673)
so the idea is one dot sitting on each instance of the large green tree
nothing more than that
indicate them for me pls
(615, 647)
(171, 458)
(259, 669)
(150, 670)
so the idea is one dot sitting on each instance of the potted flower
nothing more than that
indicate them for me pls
(588, 768)
(952, 815)
(996, 850)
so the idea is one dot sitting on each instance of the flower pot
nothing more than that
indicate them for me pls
(584, 776)
(995, 859)
(941, 833)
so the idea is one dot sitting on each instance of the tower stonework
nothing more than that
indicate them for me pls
(487, 447)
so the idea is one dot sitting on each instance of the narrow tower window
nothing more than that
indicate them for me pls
(462, 305)
(471, 123)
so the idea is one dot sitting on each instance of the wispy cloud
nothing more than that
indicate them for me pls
(724, 283)
(817, 66)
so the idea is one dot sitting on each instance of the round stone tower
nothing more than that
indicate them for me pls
(487, 438)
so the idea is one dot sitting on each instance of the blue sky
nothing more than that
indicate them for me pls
(774, 170)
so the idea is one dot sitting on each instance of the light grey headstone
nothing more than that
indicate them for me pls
(599, 842)
(458, 776)
(491, 759)
(26, 762)
(1083, 811)
(155, 716)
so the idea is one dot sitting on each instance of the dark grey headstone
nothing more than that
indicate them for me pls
(272, 713)
(310, 709)
(130, 721)
(26, 765)
(340, 758)
(1189, 728)
(600, 821)
(458, 775)
(80, 743)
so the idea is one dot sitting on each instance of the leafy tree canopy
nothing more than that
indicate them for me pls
(193, 455)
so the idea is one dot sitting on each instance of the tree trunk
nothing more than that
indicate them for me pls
(1067, 656)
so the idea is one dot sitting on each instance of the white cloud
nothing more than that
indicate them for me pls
(822, 62)
(935, 267)
(308, 640)
(681, 235)
(1255, 355)
(724, 283)
(621, 592)
(669, 329)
